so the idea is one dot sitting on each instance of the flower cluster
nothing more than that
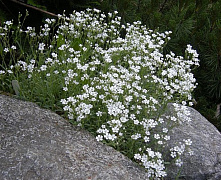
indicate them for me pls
(115, 85)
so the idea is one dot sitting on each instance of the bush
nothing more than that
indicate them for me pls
(108, 78)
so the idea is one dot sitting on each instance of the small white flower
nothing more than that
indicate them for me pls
(6, 50)
(184, 103)
(161, 120)
(32, 61)
(137, 156)
(99, 113)
(99, 138)
(56, 72)
(146, 139)
(165, 130)
(160, 142)
(136, 136)
(71, 50)
(10, 71)
(8, 23)
(65, 88)
(173, 154)
(179, 162)
(43, 68)
(54, 55)
(167, 138)
(13, 47)
(173, 118)
(151, 153)
(136, 122)
(2, 72)
(64, 101)
(156, 136)
(188, 142)
(41, 46)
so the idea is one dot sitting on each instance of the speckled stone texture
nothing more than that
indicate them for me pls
(38, 144)
(205, 164)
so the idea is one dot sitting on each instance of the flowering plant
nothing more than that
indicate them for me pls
(108, 78)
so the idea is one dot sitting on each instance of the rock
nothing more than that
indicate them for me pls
(205, 164)
(39, 144)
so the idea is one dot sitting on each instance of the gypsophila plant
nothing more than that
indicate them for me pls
(110, 79)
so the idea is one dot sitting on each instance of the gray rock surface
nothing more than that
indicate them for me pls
(205, 164)
(38, 144)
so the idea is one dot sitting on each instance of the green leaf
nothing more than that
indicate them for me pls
(1, 49)
(75, 44)
(16, 87)
(60, 40)
(35, 4)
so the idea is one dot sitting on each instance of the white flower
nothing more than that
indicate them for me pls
(6, 50)
(13, 47)
(137, 156)
(179, 162)
(160, 142)
(173, 154)
(188, 142)
(156, 136)
(184, 103)
(161, 120)
(30, 67)
(110, 14)
(84, 49)
(136, 122)
(165, 130)
(48, 60)
(146, 139)
(63, 47)
(151, 153)
(99, 113)
(41, 46)
(99, 138)
(122, 83)
(56, 72)
(173, 118)
(54, 55)
(71, 50)
(136, 136)
(10, 71)
(65, 89)
(167, 138)
(2, 72)
(8, 23)
(64, 101)
(32, 61)
(43, 68)
(190, 103)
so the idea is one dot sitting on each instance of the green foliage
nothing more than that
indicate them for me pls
(116, 88)
(36, 4)
(196, 22)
